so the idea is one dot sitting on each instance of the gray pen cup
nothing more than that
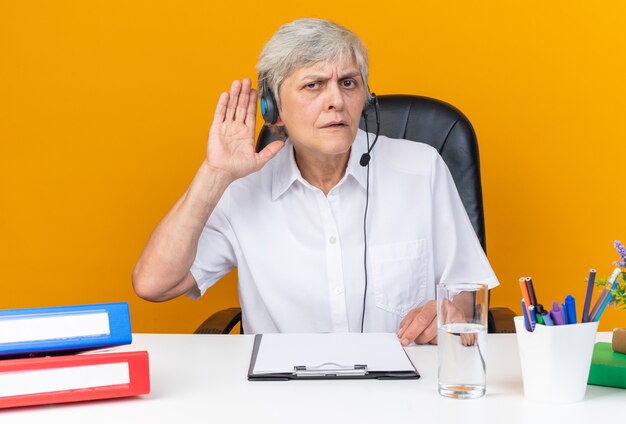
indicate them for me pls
(462, 310)
(555, 360)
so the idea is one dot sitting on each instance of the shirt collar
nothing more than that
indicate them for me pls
(286, 171)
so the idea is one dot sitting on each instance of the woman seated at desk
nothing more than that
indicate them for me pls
(321, 243)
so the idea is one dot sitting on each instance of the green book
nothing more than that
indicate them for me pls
(607, 367)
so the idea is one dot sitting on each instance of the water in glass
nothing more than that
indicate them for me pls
(462, 360)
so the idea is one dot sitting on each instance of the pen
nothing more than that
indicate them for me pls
(557, 314)
(547, 319)
(571, 309)
(538, 315)
(565, 316)
(605, 292)
(525, 313)
(533, 316)
(590, 281)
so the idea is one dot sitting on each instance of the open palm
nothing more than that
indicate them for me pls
(231, 140)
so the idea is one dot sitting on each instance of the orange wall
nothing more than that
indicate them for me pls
(105, 108)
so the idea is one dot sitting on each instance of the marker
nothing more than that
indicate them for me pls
(571, 309)
(590, 282)
(538, 316)
(557, 314)
(539, 309)
(547, 319)
(565, 316)
(533, 316)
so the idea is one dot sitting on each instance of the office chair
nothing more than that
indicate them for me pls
(424, 120)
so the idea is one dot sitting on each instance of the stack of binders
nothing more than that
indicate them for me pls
(48, 355)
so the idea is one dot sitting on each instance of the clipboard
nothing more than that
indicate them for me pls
(278, 357)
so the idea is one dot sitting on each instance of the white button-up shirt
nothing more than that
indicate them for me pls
(300, 254)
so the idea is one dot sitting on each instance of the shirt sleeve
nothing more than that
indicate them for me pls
(216, 254)
(458, 255)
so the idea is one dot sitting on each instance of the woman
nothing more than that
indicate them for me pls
(295, 219)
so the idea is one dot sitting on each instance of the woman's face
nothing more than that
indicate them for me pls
(321, 107)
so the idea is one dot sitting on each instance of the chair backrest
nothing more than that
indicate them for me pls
(440, 125)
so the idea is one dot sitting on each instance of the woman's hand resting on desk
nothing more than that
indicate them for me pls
(420, 324)
(230, 149)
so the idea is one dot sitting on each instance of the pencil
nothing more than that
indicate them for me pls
(607, 298)
(524, 289)
(604, 303)
(531, 291)
(605, 293)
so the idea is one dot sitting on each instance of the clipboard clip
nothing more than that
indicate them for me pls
(330, 369)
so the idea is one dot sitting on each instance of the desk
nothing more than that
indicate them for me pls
(202, 379)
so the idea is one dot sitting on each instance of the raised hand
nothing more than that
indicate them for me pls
(163, 270)
(230, 148)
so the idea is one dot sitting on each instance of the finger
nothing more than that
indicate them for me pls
(235, 88)
(251, 113)
(269, 152)
(220, 109)
(468, 339)
(428, 334)
(421, 323)
(407, 320)
(242, 102)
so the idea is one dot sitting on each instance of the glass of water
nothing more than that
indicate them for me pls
(462, 310)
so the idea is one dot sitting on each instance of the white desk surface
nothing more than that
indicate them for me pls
(202, 379)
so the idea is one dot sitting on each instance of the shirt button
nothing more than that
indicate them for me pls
(338, 290)
(332, 240)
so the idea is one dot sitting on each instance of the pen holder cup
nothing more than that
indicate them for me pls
(555, 360)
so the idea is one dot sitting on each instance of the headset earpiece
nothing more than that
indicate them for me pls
(269, 108)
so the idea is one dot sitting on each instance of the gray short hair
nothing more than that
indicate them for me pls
(305, 42)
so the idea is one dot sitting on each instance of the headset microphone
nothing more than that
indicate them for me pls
(365, 158)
